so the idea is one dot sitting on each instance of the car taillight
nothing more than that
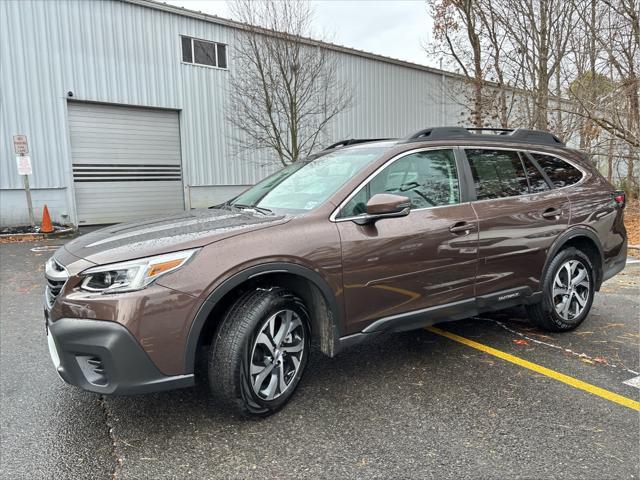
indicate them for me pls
(619, 198)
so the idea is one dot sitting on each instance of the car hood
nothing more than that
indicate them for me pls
(196, 228)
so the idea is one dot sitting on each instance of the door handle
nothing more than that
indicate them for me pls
(462, 227)
(552, 213)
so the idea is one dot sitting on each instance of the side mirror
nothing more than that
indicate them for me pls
(384, 205)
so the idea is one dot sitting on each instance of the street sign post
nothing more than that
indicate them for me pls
(23, 164)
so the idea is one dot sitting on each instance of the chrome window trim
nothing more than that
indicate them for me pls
(412, 210)
(392, 160)
(335, 212)
(564, 159)
(553, 189)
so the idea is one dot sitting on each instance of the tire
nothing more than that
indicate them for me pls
(565, 304)
(264, 338)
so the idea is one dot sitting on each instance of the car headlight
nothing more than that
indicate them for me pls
(134, 274)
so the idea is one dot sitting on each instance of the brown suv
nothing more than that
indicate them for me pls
(362, 238)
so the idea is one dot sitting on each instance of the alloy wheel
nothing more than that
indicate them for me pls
(277, 354)
(571, 289)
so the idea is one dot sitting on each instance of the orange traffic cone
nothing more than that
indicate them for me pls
(46, 226)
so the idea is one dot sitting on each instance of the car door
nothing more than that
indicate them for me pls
(425, 259)
(520, 216)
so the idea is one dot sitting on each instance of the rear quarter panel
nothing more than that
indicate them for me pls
(592, 206)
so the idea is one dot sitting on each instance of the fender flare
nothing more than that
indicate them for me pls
(237, 279)
(568, 235)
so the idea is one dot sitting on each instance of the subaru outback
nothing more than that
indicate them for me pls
(362, 238)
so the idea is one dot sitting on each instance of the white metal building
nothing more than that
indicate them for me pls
(124, 121)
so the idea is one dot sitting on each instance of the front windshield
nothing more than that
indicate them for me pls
(306, 184)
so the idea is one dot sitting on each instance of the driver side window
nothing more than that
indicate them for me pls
(428, 179)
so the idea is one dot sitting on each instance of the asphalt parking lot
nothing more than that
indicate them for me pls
(412, 405)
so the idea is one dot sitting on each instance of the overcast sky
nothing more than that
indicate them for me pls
(394, 28)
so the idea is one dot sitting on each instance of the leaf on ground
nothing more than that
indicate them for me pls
(539, 335)
(520, 341)
(632, 221)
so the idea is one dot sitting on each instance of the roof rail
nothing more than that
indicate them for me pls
(520, 135)
(354, 141)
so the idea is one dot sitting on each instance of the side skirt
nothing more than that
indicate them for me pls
(442, 313)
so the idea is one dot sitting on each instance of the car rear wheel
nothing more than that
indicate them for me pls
(260, 351)
(568, 289)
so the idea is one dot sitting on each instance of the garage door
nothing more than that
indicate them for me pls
(126, 162)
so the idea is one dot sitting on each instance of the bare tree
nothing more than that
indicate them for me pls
(451, 17)
(507, 46)
(468, 35)
(539, 32)
(496, 39)
(606, 94)
(615, 71)
(284, 89)
(571, 66)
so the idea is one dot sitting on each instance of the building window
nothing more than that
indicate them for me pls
(201, 52)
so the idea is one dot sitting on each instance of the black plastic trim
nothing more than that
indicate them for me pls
(503, 299)
(354, 141)
(424, 317)
(615, 265)
(566, 236)
(467, 186)
(519, 135)
(536, 165)
(127, 367)
(234, 281)
(442, 313)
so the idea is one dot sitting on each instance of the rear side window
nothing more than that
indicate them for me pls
(537, 183)
(497, 173)
(559, 172)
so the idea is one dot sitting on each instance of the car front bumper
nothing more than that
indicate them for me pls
(104, 357)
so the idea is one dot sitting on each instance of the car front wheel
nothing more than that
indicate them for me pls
(260, 351)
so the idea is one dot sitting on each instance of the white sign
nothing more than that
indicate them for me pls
(24, 165)
(20, 146)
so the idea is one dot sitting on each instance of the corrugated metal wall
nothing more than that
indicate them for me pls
(116, 52)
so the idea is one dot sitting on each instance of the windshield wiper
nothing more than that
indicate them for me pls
(220, 205)
(263, 210)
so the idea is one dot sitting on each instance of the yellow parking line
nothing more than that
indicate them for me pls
(561, 377)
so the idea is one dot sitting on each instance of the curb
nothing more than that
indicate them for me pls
(28, 237)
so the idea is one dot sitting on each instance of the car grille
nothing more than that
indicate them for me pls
(56, 276)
